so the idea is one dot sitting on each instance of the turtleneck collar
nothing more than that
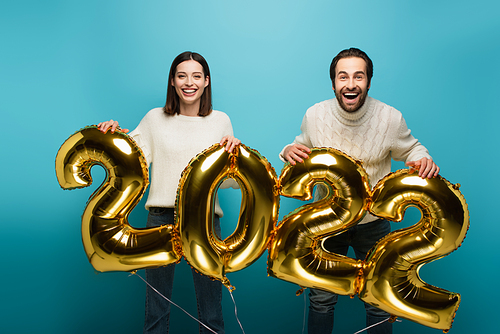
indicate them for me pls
(353, 118)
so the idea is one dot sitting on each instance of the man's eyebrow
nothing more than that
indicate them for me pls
(357, 72)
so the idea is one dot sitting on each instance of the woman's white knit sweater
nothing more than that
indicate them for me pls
(373, 134)
(169, 142)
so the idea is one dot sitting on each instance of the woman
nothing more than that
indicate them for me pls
(170, 137)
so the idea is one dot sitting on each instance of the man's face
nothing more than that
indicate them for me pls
(351, 83)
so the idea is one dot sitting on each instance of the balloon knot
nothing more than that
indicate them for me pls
(300, 291)
(228, 285)
(392, 319)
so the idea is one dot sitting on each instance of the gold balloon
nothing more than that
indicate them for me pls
(296, 254)
(387, 279)
(110, 243)
(390, 273)
(195, 210)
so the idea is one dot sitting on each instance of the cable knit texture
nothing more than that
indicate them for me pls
(169, 142)
(373, 134)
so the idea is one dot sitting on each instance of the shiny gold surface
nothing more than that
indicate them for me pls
(296, 254)
(388, 278)
(110, 243)
(390, 272)
(195, 209)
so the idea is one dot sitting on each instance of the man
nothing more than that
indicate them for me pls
(367, 130)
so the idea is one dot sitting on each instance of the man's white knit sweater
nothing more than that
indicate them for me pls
(169, 142)
(374, 134)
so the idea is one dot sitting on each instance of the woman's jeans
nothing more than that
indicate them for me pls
(322, 304)
(208, 292)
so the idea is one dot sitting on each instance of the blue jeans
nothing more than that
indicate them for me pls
(208, 292)
(322, 304)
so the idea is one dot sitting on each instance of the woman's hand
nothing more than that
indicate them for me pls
(113, 125)
(231, 142)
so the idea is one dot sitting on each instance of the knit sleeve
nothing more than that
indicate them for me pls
(304, 137)
(224, 122)
(141, 136)
(405, 146)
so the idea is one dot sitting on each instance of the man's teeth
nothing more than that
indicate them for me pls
(351, 95)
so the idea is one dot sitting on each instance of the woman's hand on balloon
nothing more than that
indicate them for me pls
(110, 125)
(231, 142)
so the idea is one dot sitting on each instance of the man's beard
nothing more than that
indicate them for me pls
(351, 107)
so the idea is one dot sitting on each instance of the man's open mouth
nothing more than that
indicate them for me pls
(350, 96)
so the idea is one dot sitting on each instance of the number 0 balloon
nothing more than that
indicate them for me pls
(259, 211)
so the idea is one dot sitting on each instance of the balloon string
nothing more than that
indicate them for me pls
(378, 323)
(304, 321)
(171, 302)
(305, 308)
(236, 310)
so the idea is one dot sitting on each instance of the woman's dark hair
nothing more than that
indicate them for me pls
(350, 53)
(172, 105)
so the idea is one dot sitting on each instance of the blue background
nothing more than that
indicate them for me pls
(68, 64)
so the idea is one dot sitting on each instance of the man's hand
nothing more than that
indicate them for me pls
(426, 167)
(296, 153)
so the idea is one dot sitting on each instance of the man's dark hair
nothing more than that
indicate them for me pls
(351, 53)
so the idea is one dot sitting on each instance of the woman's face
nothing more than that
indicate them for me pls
(189, 82)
